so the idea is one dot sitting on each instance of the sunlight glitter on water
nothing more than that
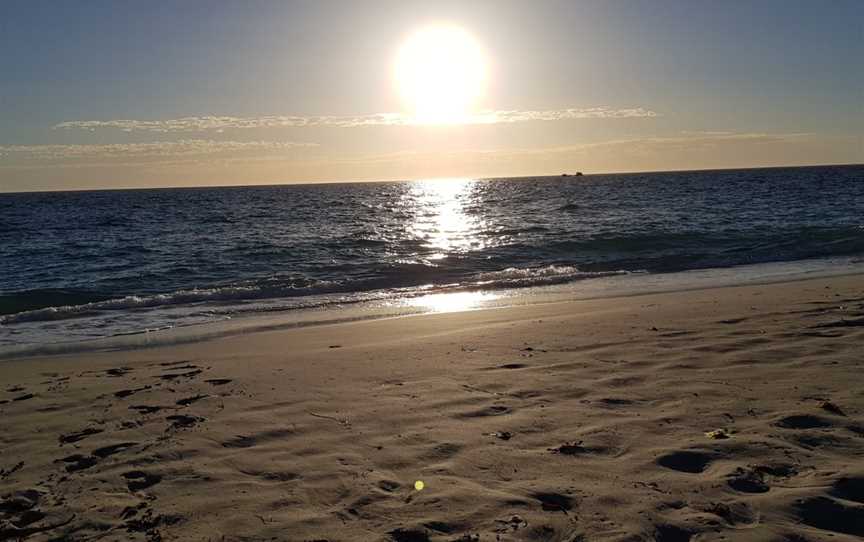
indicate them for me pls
(441, 219)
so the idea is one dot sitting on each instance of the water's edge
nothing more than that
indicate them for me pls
(619, 286)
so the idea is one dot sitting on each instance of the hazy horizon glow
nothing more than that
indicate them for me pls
(212, 93)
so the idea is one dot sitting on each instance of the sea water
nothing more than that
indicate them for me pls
(83, 265)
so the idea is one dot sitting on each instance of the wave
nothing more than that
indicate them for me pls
(514, 277)
(182, 297)
(598, 256)
(606, 257)
(30, 300)
(412, 284)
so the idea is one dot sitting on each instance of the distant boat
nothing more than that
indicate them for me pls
(577, 174)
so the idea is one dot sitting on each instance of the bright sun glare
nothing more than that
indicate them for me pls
(441, 73)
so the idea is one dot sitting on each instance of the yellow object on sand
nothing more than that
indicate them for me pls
(719, 434)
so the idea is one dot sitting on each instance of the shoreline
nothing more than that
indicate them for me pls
(418, 304)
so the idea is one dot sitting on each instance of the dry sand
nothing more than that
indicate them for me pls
(585, 420)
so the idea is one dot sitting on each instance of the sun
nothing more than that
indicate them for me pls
(440, 73)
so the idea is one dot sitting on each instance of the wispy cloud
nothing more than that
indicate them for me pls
(214, 123)
(507, 117)
(158, 150)
(704, 150)
(202, 124)
(695, 140)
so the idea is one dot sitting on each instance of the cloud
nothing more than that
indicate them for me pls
(694, 140)
(214, 123)
(158, 150)
(507, 117)
(657, 153)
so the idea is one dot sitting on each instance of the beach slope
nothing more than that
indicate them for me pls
(729, 413)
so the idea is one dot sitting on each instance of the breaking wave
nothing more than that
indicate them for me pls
(228, 299)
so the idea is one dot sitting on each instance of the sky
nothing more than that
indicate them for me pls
(123, 94)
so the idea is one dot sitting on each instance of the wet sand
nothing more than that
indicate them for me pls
(717, 414)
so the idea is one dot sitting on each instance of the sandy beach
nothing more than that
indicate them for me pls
(719, 414)
(413, 271)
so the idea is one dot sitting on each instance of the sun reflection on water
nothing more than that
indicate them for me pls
(441, 218)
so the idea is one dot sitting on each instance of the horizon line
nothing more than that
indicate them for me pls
(570, 175)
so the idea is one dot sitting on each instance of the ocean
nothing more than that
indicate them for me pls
(85, 265)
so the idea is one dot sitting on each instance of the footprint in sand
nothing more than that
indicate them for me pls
(445, 527)
(554, 502)
(816, 439)
(107, 451)
(389, 485)
(174, 363)
(187, 374)
(132, 511)
(494, 410)
(77, 462)
(137, 480)
(854, 322)
(248, 441)
(20, 512)
(733, 321)
(576, 448)
(813, 442)
(75, 437)
(753, 479)
(830, 515)
(408, 535)
(613, 402)
(671, 533)
(218, 381)
(149, 522)
(126, 393)
(747, 481)
(690, 461)
(189, 400)
(828, 406)
(146, 409)
(510, 366)
(178, 366)
(5, 473)
(803, 421)
(182, 421)
(735, 514)
(240, 441)
(850, 489)
(513, 524)
(28, 518)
